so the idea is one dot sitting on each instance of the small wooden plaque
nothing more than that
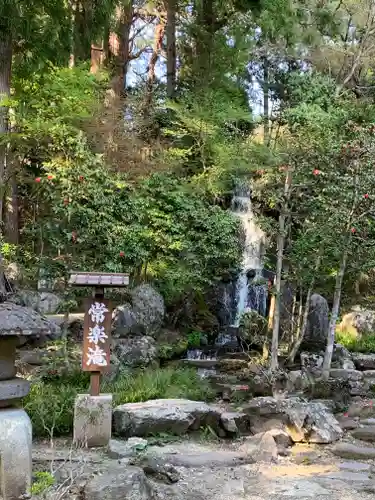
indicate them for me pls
(97, 336)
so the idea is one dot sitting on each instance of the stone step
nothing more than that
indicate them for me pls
(352, 451)
(200, 363)
(366, 433)
(362, 409)
(346, 374)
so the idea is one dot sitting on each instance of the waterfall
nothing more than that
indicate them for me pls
(251, 290)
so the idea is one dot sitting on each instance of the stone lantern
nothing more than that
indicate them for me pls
(15, 425)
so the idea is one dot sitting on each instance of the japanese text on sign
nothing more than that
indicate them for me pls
(96, 336)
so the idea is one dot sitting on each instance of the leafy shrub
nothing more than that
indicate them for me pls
(172, 350)
(42, 482)
(253, 328)
(363, 344)
(50, 403)
(194, 339)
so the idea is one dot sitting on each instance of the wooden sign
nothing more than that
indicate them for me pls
(96, 336)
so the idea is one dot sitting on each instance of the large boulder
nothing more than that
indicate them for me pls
(119, 484)
(303, 421)
(42, 302)
(364, 361)
(358, 322)
(174, 416)
(317, 327)
(135, 351)
(143, 314)
(341, 358)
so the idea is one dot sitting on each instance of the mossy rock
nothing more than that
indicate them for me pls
(171, 345)
(336, 389)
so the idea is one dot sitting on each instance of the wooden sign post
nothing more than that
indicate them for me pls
(97, 324)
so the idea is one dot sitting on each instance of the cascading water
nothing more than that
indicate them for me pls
(251, 290)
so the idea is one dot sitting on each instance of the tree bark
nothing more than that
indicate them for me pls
(266, 103)
(12, 211)
(279, 268)
(302, 332)
(334, 315)
(158, 41)
(125, 24)
(204, 41)
(97, 57)
(5, 79)
(339, 281)
(171, 48)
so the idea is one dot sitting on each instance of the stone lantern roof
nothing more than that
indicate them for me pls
(17, 320)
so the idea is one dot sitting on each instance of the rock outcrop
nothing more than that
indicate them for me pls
(302, 420)
(364, 361)
(41, 302)
(119, 484)
(174, 416)
(358, 322)
(135, 351)
(143, 314)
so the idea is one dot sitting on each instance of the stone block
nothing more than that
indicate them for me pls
(7, 357)
(15, 454)
(92, 420)
(354, 375)
(12, 390)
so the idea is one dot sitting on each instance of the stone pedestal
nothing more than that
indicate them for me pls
(15, 453)
(92, 420)
(15, 426)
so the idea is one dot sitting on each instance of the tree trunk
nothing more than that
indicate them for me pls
(266, 102)
(158, 41)
(5, 78)
(74, 33)
(204, 41)
(339, 281)
(279, 268)
(334, 315)
(171, 48)
(11, 215)
(125, 24)
(302, 332)
(97, 57)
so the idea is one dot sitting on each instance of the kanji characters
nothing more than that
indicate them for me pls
(97, 334)
(96, 356)
(97, 311)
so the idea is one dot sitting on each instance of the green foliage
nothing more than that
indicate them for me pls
(194, 338)
(43, 481)
(162, 227)
(364, 344)
(50, 407)
(253, 328)
(50, 403)
(159, 384)
(172, 350)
